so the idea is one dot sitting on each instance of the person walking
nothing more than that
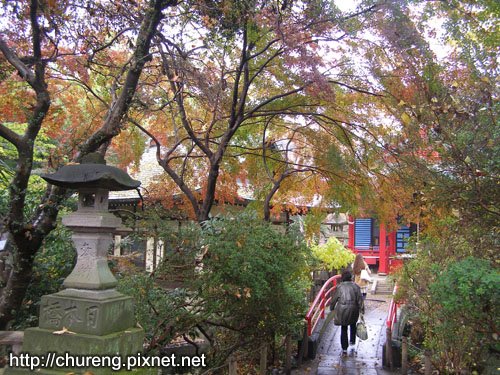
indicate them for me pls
(347, 304)
(361, 273)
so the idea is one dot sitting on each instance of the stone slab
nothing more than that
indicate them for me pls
(91, 221)
(86, 315)
(98, 295)
(40, 342)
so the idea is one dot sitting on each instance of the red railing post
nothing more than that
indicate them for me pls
(322, 305)
(392, 316)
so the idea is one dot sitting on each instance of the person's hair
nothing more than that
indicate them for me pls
(359, 264)
(346, 276)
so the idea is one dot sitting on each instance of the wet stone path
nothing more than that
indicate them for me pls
(363, 358)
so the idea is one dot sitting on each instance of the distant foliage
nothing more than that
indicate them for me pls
(332, 255)
(43, 147)
(312, 224)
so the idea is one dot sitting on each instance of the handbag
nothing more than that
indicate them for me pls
(365, 276)
(361, 330)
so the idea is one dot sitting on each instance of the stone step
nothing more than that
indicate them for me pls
(385, 286)
(385, 289)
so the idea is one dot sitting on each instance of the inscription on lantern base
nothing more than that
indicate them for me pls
(86, 315)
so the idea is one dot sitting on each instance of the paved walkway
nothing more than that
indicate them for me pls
(365, 357)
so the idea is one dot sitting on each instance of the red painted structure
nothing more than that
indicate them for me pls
(383, 254)
(393, 310)
(323, 299)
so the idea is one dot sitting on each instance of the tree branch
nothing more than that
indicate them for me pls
(270, 100)
(355, 88)
(113, 120)
(10, 136)
(177, 89)
(14, 60)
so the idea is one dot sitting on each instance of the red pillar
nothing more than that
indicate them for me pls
(383, 251)
(392, 242)
(350, 243)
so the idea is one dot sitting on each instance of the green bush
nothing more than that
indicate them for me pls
(54, 260)
(243, 281)
(254, 278)
(454, 307)
(467, 316)
(161, 313)
(332, 255)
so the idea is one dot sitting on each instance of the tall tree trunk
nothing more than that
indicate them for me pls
(23, 245)
(23, 235)
(270, 195)
(27, 234)
(13, 292)
(209, 198)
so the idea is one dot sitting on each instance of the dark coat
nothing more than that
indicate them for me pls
(347, 303)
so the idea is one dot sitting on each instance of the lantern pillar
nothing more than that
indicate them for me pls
(89, 317)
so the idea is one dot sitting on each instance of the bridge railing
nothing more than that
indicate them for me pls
(393, 310)
(390, 322)
(323, 299)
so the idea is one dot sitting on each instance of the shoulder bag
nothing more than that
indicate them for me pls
(361, 330)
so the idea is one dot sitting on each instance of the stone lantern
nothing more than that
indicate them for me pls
(90, 315)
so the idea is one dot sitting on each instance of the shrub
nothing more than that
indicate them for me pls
(467, 302)
(332, 255)
(244, 282)
(254, 279)
(455, 308)
(162, 313)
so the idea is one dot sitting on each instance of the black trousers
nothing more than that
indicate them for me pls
(343, 336)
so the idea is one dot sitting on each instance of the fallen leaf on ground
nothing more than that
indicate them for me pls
(64, 331)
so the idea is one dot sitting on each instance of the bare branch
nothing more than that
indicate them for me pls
(355, 88)
(270, 100)
(177, 89)
(113, 121)
(103, 47)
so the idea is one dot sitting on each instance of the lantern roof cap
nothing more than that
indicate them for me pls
(92, 172)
